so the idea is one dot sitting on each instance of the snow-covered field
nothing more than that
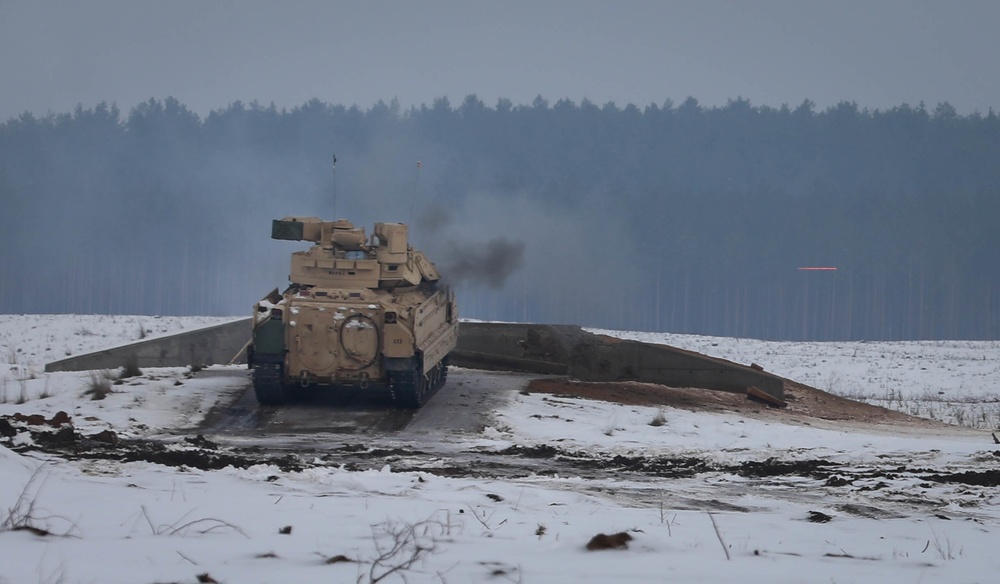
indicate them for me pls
(896, 518)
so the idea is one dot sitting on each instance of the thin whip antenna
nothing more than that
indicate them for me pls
(413, 200)
(334, 186)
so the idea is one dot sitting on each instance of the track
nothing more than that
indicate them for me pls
(361, 431)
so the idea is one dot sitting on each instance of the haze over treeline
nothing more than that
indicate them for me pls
(670, 217)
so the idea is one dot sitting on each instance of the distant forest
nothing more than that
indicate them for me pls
(672, 217)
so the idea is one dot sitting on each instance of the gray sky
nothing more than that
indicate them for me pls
(55, 54)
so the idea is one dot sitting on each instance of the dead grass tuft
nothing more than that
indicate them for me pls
(99, 384)
(182, 528)
(47, 392)
(22, 396)
(401, 545)
(131, 367)
(25, 515)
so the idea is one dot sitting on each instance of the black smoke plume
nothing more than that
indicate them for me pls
(488, 263)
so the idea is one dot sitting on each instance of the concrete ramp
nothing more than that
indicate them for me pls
(533, 348)
(603, 358)
(213, 345)
(570, 350)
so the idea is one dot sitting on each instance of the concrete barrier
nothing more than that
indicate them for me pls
(570, 350)
(218, 344)
(534, 348)
(601, 358)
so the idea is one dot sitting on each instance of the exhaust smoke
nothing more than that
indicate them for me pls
(488, 263)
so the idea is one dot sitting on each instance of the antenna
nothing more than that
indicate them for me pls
(335, 186)
(413, 200)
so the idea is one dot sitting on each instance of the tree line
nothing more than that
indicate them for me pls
(670, 217)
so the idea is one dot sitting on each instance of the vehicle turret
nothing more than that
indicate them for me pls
(343, 256)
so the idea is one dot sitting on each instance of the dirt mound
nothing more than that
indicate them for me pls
(806, 405)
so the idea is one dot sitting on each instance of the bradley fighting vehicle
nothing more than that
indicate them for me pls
(357, 313)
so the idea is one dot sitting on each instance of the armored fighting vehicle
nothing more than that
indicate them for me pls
(359, 312)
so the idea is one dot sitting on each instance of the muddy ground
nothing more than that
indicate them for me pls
(198, 452)
(201, 453)
(356, 436)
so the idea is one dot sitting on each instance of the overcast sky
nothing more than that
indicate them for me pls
(55, 54)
